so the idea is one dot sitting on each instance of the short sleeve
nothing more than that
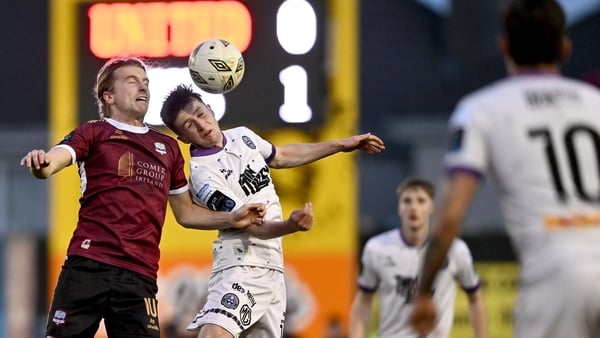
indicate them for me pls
(466, 274)
(368, 278)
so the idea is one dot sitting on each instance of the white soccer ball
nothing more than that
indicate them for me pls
(216, 66)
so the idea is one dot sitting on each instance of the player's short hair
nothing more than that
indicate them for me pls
(416, 183)
(105, 80)
(175, 102)
(534, 30)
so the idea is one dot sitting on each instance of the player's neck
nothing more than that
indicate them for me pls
(534, 69)
(130, 120)
(415, 236)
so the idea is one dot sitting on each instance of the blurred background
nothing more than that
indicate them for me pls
(395, 68)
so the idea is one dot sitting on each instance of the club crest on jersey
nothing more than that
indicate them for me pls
(248, 142)
(160, 148)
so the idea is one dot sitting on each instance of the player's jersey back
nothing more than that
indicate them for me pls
(538, 135)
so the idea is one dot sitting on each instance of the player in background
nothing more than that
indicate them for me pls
(229, 168)
(390, 264)
(128, 173)
(538, 135)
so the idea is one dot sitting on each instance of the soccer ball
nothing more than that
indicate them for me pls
(216, 66)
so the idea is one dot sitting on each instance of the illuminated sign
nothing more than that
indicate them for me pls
(281, 41)
(162, 29)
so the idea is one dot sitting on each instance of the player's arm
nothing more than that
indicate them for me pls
(477, 313)
(293, 155)
(193, 216)
(44, 164)
(360, 314)
(299, 220)
(459, 189)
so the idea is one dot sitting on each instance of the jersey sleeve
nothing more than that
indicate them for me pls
(466, 144)
(265, 148)
(368, 278)
(78, 142)
(210, 191)
(179, 182)
(466, 275)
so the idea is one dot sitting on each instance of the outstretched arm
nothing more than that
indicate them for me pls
(293, 155)
(193, 216)
(44, 164)
(457, 196)
(299, 220)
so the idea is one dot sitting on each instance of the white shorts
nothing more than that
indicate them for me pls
(566, 304)
(246, 301)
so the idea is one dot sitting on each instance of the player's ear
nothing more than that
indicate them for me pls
(503, 46)
(566, 47)
(108, 97)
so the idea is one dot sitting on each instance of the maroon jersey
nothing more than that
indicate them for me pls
(127, 174)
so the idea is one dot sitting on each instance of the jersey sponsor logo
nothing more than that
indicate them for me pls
(160, 148)
(248, 142)
(230, 301)
(237, 287)
(250, 298)
(406, 287)
(150, 173)
(59, 318)
(573, 221)
(245, 315)
(252, 182)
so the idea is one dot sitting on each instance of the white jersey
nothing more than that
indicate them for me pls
(538, 135)
(224, 179)
(390, 266)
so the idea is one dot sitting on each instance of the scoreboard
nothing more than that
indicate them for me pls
(281, 41)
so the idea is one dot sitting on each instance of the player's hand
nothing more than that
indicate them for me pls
(423, 316)
(302, 219)
(369, 143)
(35, 159)
(248, 214)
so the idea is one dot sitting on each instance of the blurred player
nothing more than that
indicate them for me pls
(390, 266)
(538, 135)
(246, 293)
(128, 173)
